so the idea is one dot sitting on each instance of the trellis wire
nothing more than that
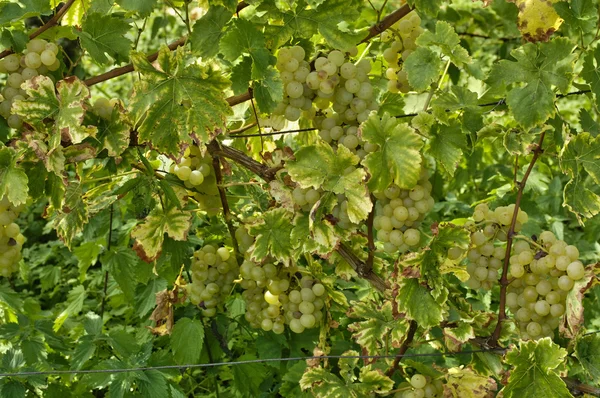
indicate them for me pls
(246, 362)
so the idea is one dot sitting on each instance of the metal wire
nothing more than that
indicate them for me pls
(234, 363)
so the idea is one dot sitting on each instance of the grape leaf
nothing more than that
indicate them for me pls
(175, 102)
(534, 372)
(73, 214)
(143, 7)
(539, 66)
(12, 10)
(268, 91)
(187, 339)
(591, 73)
(13, 180)
(398, 159)
(419, 304)
(248, 377)
(446, 145)
(428, 7)
(379, 323)
(581, 158)
(153, 384)
(208, 31)
(273, 236)
(581, 15)
(66, 106)
(537, 20)
(103, 35)
(75, 13)
(447, 40)
(114, 134)
(74, 306)
(325, 19)
(588, 123)
(149, 235)
(587, 350)
(572, 321)
(464, 382)
(456, 337)
(318, 166)
(423, 67)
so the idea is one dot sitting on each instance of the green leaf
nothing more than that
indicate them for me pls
(66, 106)
(242, 38)
(208, 31)
(423, 67)
(143, 7)
(84, 351)
(398, 159)
(73, 214)
(187, 339)
(587, 350)
(11, 10)
(114, 134)
(581, 15)
(149, 235)
(153, 385)
(324, 384)
(76, 12)
(418, 303)
(12, 389)
(581, 158)
(273, 236)
(122, 263)
(446, 145)
(428, 7)
(591, 73)
(172, 104)
(534, 371)
(379, 326)
(74, 306)
(103, 35)
(268, 91)
(247, 378)
(464, 382)
(539, 66)
(319, 166)
(13, 177)
(447, 40)
(145, 296)
(10, 298)
(588, 123)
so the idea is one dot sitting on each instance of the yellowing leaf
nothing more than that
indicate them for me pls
(537, 19)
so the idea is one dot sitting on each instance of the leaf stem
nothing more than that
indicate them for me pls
(504, 282)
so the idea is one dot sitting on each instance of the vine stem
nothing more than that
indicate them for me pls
(412, 329)
(504, 282)
(51, 22)
(360, 267)
(226, 210)
(387, 22)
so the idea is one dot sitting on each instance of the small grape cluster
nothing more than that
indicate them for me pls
(402, 36)
(336, 130)
(272, 302)
(421, 386)
(398, 213)
(333, 82)
(196, 172)
(11, 239)
(485, 258)
(37, 59)
(214, 271)
(305, 198)
(544, 272)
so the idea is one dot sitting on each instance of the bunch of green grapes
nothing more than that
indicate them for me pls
(337, 131)
(11, 239)
(305, 198)
(244, 239)
(401, 36)
(37, 59)
(488, 248)
(214, 271)
(544, 272)
(420, 386)
(196, 172)
(332, 84)
(398, 213)
(273, 302)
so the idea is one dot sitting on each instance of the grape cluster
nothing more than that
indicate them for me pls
(544, 272)
(336, 130)
(402, 37)
(11, 239)
(305, 198)
(334, 82)
(103, 107)
(213, 272)
(272, 302)
(485, 258)
(398, 213)
(37, 59)
(196, 172)
(421, 386)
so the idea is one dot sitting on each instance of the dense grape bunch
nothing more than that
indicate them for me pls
(277, 296)
(38, 58)
(305, 198)
(420, 386)
(544, 272)
(398, 214)
(401, 38)
(196, 172)
(486, 255)
(214, 271)
(11, 239)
